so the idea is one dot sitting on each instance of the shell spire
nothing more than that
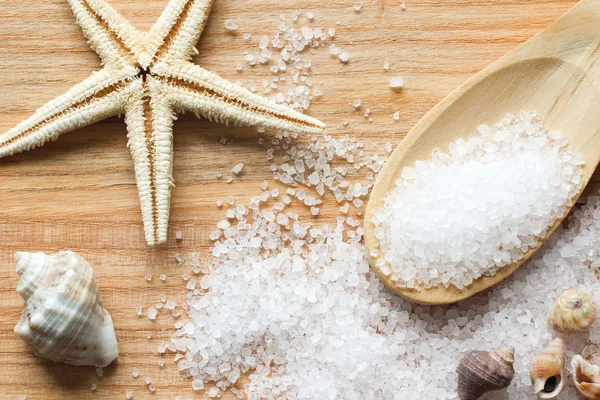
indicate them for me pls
(63, 319)
(480, 372)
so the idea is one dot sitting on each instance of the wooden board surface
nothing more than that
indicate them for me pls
(79, 192)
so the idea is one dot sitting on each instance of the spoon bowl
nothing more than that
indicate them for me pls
(556, 73)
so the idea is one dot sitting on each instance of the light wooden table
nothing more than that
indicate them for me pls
(79, 193)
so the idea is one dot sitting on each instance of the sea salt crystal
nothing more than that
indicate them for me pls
(163, 277)
(492, 193)
(307, 33)
(152, 313)
(135, 373)
(238, 168)
(344, 57)
(94, 387)
(396, 82)
(148, 277)
(138, 311)
(386, 66)
(358, 7)
(396, 116)
(334, 50)
(99, 372)
(310, 16)
(128, 395)
(230, 25)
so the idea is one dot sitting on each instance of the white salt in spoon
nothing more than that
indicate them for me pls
(556, 73)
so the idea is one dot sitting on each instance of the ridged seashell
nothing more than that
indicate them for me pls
(481, 371)
(586, 377)
(63, 319)
(546, 370)
(573, 311)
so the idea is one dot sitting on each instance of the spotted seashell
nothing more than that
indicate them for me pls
(63, 319)
(586, 377)
(573, 311)
(547, 372)
(480, 372)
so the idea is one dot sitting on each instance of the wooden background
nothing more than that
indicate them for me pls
(79, 193)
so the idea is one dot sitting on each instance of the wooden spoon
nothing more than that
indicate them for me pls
(556, 73)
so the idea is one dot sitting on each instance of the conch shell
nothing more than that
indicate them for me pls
(573, 311)
(546, 370)
(63, 319)
(481, 371)
(586, 377)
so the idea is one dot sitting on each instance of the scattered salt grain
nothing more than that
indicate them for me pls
(178, 235)
(386, 66)
(358, 7)
(163, 277)
(307, 33)
(128, 395)
(99, 372)
(230, 25)
(138, 311)
(396, 82)
(94, 387)
(238, 168)
(135, 373)
(344, 57)
(152, 313)
(396, 116)
(148, 277)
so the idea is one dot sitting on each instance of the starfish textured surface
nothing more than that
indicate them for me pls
(148, 77)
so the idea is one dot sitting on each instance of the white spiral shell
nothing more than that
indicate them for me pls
(63, 319)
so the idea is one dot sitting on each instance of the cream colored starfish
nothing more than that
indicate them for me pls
(148, 77)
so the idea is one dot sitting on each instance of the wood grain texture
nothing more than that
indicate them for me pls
(79, 192)
(556, 74)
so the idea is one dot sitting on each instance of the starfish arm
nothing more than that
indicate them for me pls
(195, 89)
(149, 118)
(110, 35)
(96, 98)
(175, 34)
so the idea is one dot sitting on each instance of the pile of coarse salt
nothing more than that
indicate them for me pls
(469, 212)
(296, 308)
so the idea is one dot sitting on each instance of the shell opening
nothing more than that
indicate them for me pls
(581, 376)
(551, 384)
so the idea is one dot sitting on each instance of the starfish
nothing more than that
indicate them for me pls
(149, 77)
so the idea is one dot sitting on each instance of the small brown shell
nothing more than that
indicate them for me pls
(586, 377)
(481, 371)
(573, 311)
(546, 370)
